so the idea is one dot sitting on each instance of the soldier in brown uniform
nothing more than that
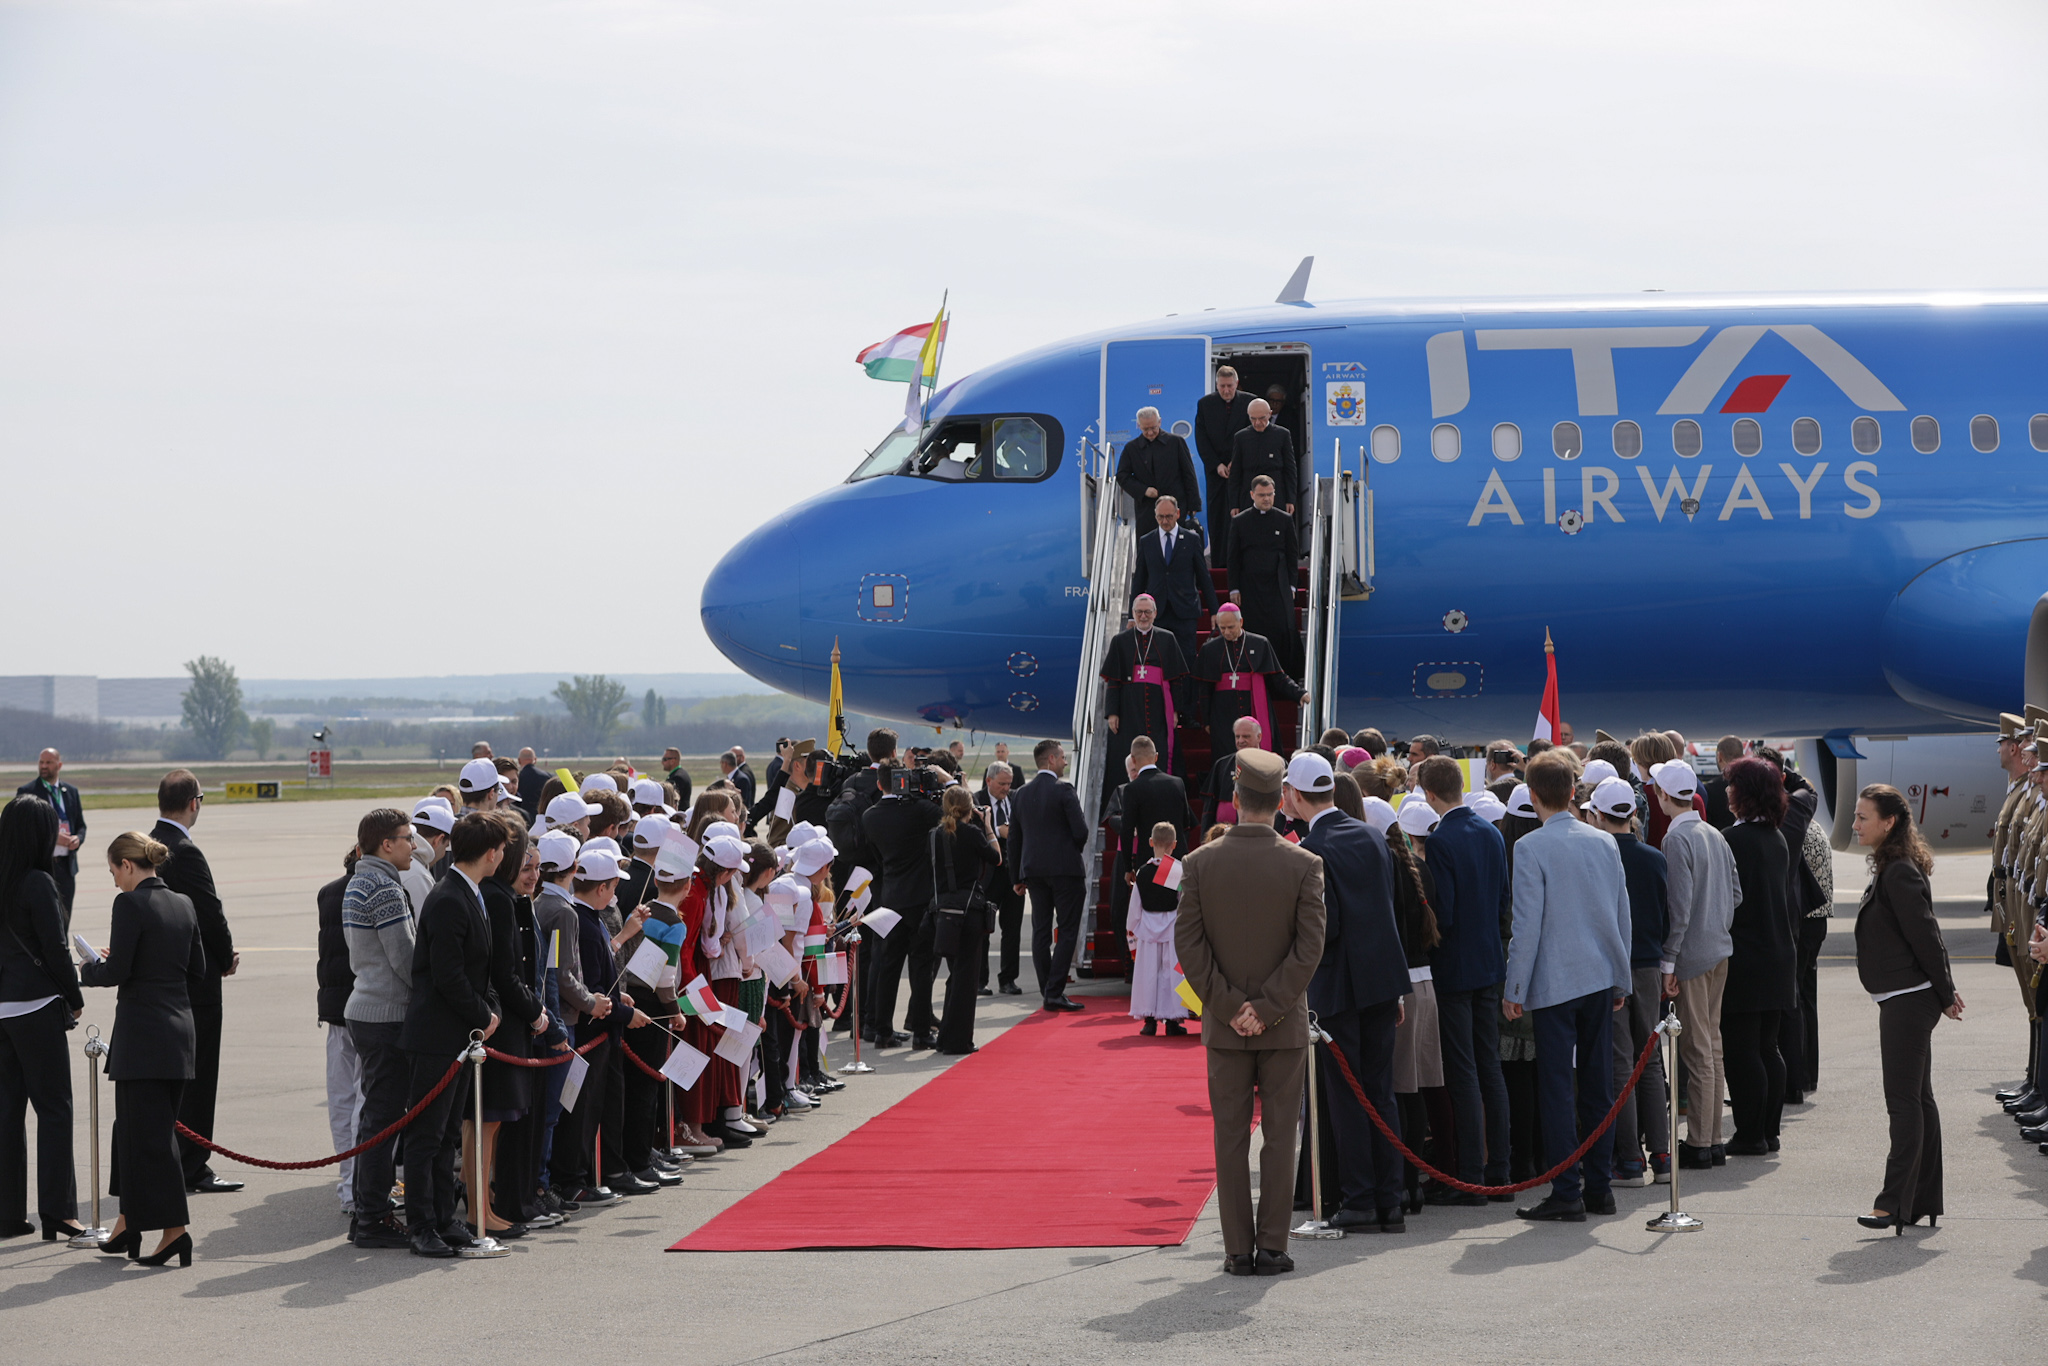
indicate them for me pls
(1250, 935)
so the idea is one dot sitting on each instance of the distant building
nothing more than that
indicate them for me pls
(85, 697)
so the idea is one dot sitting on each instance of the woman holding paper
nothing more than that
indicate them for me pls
(39, 1000)
(154, 957)
(963, 854)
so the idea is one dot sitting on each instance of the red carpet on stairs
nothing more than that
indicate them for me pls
(1065, 1131)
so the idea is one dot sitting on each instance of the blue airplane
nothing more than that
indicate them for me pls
(1787, 515)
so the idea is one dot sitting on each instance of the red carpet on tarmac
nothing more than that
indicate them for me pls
(1065, 1131)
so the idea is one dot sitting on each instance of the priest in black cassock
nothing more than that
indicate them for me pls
(1219, 417)
(1143, 668)
(1264, 559)
(1238, 674)
(1264, 449)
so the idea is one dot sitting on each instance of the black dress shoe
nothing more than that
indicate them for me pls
(1748, 1147)
(1009, 989)
(1599, 1204)
(1451, 1195)
(1555, 1211)
(1238, 1263)
(2025, 1100)
(1720, 1151)
(2009, 1093)
(212, 1185)
(1393, 1221)
(2027, 1119)
(1176, 1030)
(987, 992)
(1271, 1263)
(381, 1233)
(658, 1177)
(922, 1042)
(1694, 1159)
(1062, 1003)
(456, 1236)
(426, 1243)
(1353, 1218)
(891, 1040)
(628, 1184)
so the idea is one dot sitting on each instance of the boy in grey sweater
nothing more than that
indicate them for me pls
(377, 923)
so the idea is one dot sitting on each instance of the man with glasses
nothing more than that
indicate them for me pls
(178, 800)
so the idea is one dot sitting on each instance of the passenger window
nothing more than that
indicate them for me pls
(1628, 439)
(1865, 435)
(1567, 441)
(1386, 444)
(1019, 447)
(1984, 433)
(1507, 441)
(1806, 436)
(1748, 436)
(1445, 441)
(2037, 431)
(1926, 435)
(1686, 438)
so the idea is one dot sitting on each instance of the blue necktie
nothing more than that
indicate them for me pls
(1166, 545)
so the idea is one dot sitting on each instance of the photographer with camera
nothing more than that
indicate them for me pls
(898, 827)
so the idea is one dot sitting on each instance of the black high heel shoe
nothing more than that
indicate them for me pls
(1883, 1221)
(181, 1248)
(53, 1229)
(127, 1243)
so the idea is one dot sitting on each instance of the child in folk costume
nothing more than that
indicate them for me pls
(1155, 969)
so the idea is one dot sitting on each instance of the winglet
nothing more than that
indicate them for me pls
(1295, 291)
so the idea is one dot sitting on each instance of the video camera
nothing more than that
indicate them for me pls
(915, 781)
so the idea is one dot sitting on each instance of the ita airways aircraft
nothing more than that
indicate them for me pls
(1791, 515)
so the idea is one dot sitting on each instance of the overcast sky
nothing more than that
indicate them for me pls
(313, 315)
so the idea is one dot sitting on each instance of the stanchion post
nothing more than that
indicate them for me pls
(480, 1183)
(853, 1003)
(1673, 1220)
(92, 1235)
(1315, 1226)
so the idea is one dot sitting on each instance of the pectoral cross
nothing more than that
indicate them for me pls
(1233, 680)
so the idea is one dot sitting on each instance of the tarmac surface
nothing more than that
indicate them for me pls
(1781, 1271)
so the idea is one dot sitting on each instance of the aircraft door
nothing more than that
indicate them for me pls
(1167, 373)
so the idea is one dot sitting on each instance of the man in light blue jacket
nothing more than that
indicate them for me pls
(1569, 964)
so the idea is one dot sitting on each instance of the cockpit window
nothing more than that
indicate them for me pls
(1019, 445)
(886, 458)
(1016, 449)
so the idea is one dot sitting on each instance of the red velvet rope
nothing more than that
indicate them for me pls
(1453, 1182)
(408, 1117)
(555, 1060)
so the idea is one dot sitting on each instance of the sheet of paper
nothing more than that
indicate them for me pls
(737, 1043)
(86, 952)
(685, 1065)
(832, 970)
(881, 920)
(777, 962)
(761, 931)
(648, 961)
(572, 1083)
(735, 1018)
(785, 803)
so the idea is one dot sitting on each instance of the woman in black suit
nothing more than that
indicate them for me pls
(963, 855)
(1903, 964)
(1762, 969)
(39, 1000)
(154, 956)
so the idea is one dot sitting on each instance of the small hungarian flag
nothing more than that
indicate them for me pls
(816, 937)
(906, 355)
(1549, 718)
(1167, 874)
(696, 999)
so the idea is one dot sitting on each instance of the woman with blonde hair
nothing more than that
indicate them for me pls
(962, 855)
(155, 959)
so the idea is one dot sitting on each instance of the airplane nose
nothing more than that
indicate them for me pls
(750, 606)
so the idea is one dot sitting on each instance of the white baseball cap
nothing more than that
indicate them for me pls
(1379, 813)
(1310, 772)
(1519, 803)
(598, 782)
(1614, 797)
(678, 857)
(809, 858)
(434, 813)
(800, 834)
(726, 828)
(478, 775)
(1416, 817)
(597, 865)
(1676, 778)
(609, 845)
(1597, 771)
(557, 850)
(647, 792)
(1485, 805)
(567, 808)
(651, 831)
(727, 851)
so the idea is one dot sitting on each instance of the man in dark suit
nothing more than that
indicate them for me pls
(1715, 789)
(451, 996)
(70, 822)
(733, 764)
(532, 778)
(178, 800)
(1155, 464)
(1173, 573)
(1051, 836)
(899, 827)
(1219, 417)
(994, 798)
(1357, 989)
(1150, 798)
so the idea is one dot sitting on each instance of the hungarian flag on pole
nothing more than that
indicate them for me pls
(696, 999)
(1167, 874)
(1549, 719)
(910, 354)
